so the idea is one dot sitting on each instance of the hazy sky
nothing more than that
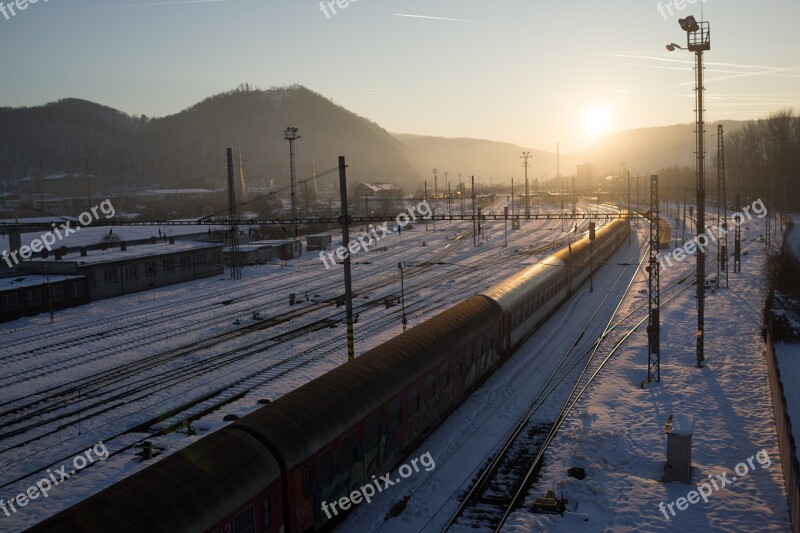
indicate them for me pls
(528, 72)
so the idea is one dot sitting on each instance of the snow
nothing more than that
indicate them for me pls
(89, 235)
(616, 431)
(680, 425)
(615, 434)
(443, 268)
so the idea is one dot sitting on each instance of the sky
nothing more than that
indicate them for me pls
(524, 71)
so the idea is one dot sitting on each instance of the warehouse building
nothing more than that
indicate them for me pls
(120, 269)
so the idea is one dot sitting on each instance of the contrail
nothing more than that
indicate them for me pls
(430, 18)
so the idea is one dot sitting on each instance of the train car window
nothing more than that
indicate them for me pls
(394, 415)
(245, 522)
(268, 510)
(372, 432)
(413, 399)
(444, 376)
(326, 468)
(306, 482)
(347, 452)
(429, 382)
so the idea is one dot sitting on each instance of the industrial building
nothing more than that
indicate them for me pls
(30, 295)
(120, 269)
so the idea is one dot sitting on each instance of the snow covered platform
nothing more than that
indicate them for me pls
(616, 432)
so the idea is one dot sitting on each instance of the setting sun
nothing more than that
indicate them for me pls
(596, 121)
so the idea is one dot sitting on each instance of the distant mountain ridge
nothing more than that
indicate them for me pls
(187, 149)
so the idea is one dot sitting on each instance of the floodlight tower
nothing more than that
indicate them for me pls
(291, 135)
(698, 39)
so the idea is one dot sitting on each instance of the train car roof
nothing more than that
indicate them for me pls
(219, 472)
(511, 292)
(310, 417)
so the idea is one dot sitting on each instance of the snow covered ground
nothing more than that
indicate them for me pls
(443, 268)
(616, 432)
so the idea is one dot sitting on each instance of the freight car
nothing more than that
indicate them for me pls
(271, 470)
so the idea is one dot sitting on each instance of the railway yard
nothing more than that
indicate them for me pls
(149, 373)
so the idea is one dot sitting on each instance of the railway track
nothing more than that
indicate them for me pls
(235, 391)
(508, 475)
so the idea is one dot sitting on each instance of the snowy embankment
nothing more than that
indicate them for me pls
(617, 432)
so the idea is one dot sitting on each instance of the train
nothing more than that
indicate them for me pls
(271, 470)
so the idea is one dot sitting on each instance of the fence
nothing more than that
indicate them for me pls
(786, 442)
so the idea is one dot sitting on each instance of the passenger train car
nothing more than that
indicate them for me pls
(271, 470)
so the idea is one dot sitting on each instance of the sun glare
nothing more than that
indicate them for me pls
(596, 121)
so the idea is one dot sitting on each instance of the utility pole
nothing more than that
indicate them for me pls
(698, 39)
(291, 135)
(654, 295)
(233, 228)
(525, 157)
(344, 220)
(426, 199)
(447, 180)
(722, 209)
(462, 193)
(88, 185)
(505, 227)
(512, 197)
(435, 195)
(701, 212)
(404, 320)
(474, 225)
(242, 186)
(737, 238)
(630, 227)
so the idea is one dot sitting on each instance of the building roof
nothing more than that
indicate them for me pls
(114, 254)
(175, 191)
(381, 187)
(276, 242)
(12, 283)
